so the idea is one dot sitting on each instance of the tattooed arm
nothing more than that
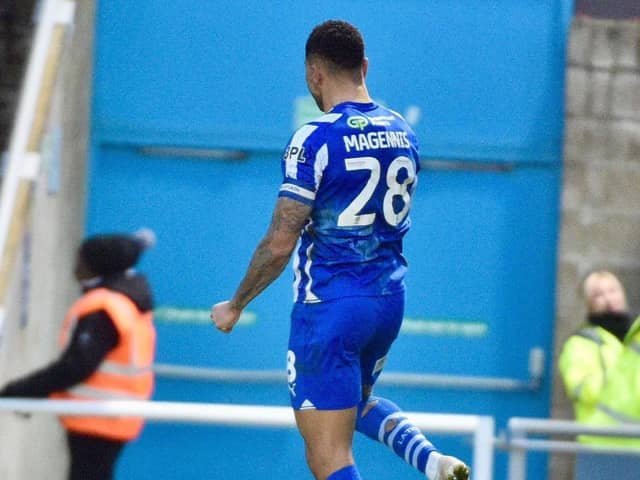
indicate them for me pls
(274, 251)
(268, 261)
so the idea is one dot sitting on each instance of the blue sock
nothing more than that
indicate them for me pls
(385, 423)
(349, 472)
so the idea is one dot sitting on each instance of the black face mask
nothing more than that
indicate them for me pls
(616, 323)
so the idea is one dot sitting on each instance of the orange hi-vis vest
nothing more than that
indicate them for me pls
(124, 374)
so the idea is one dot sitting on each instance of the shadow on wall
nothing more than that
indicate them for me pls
(16, 26)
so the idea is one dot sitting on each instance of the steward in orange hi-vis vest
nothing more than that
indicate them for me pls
(124, 374)
(108, 342)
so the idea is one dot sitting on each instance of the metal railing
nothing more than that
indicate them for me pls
(518, 443)
(467, 382)
(22, 159)
(481, 428)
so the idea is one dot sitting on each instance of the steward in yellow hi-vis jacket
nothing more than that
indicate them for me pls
(597, 362)
(108, 341)
(619, 402)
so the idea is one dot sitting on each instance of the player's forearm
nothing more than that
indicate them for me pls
(273, 252)
(266, 265)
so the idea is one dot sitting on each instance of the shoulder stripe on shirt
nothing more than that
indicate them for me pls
(328, 118)
(322, 160)
(298, 140)
(396, 114)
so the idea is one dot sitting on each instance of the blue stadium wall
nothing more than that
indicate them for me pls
(192, 104)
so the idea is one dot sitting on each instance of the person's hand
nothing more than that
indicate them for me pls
(224, 316)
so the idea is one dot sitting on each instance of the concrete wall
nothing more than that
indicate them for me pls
(35, 448)
(620, 9)
(601, 191)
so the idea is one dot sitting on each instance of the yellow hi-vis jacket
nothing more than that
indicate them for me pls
(125, 373)
(597, 370)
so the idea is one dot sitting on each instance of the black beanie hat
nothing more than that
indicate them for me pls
(106, 254)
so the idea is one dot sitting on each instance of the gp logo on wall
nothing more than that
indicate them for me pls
(358, 122)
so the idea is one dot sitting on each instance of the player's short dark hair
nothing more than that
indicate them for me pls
(338, 42)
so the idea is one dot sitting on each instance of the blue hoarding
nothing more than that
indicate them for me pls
(482, 83)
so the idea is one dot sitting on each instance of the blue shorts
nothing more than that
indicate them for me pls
(337, 346)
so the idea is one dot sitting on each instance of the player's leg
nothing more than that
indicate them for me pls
(323, 370)
(381, 419)
(328, 435)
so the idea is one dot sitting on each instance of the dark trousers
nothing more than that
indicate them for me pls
(92, 458)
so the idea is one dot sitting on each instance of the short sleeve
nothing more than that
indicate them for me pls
(301, 164)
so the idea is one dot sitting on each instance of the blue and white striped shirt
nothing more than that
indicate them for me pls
(357, 167)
